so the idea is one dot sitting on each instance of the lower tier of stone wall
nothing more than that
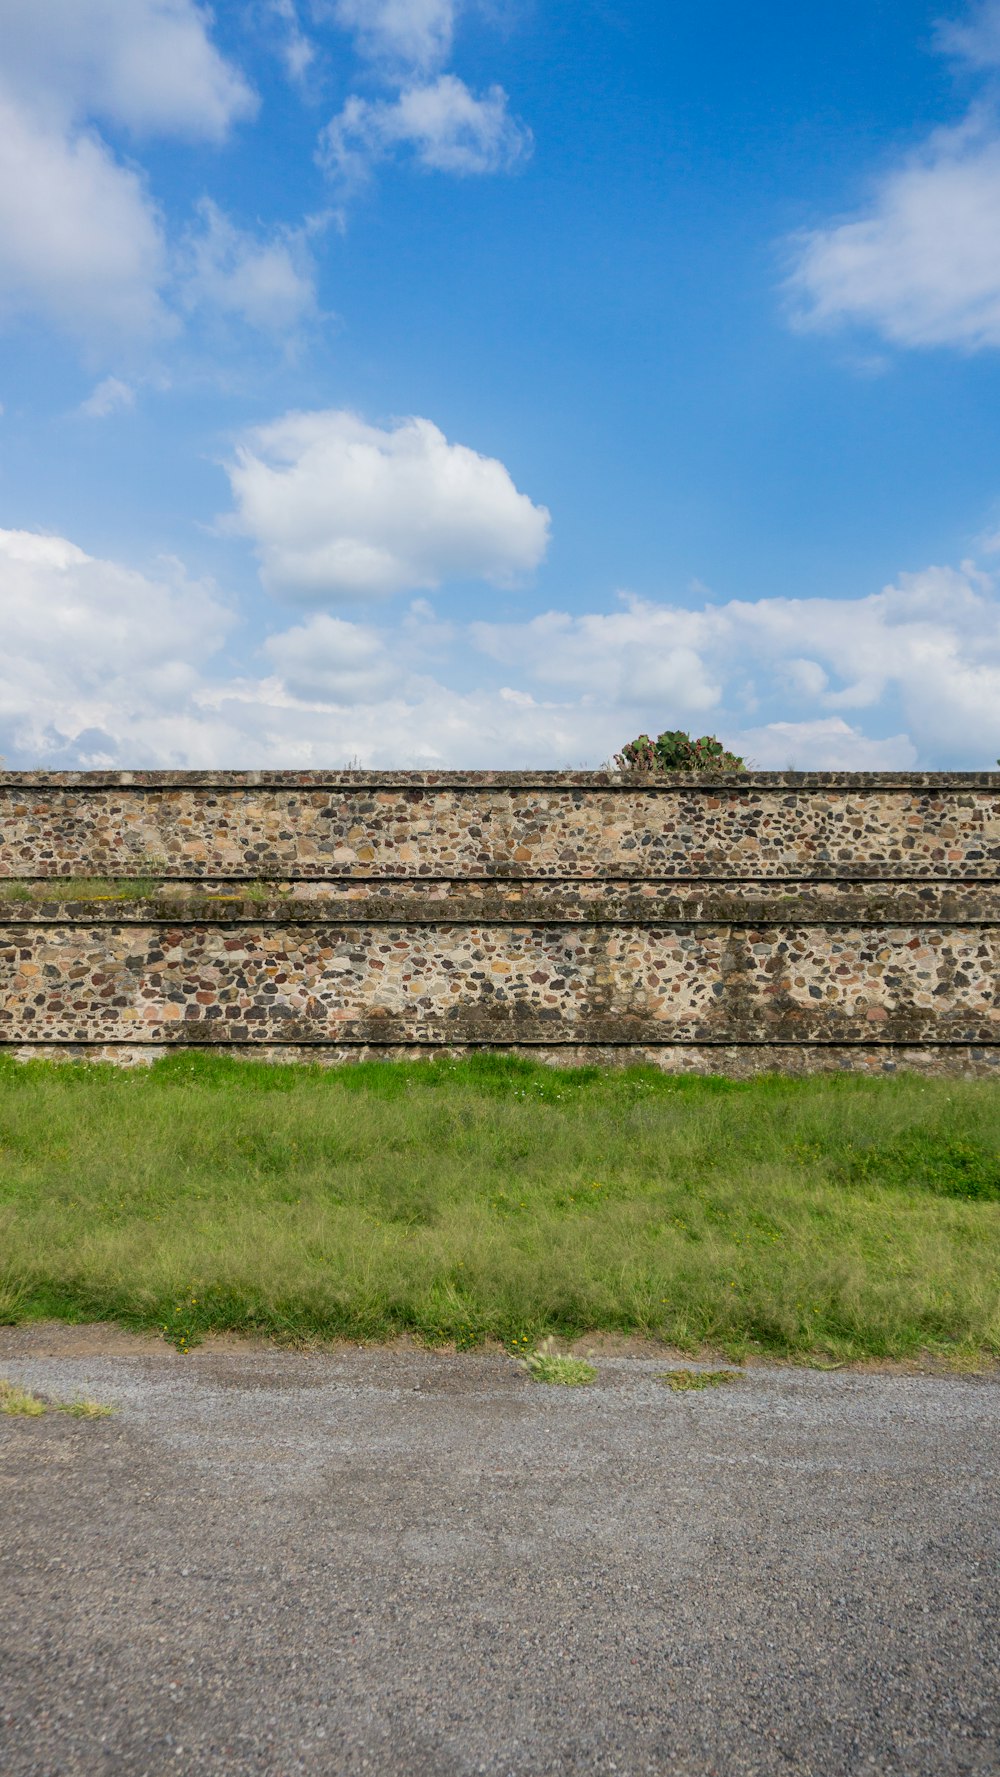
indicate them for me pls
(581, 988)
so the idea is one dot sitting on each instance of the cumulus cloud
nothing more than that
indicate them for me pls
(147, 64)
(81, 242)
(929, 645)
(920, 261)
(646, 653)
(828, 744)
(407, 33)
(424, 724)
(335, 661)
(447, 128)
(109, 397)
(974, 39)
(433, 115)
(92, 647)
(296, 49)
(106, 665)
(922, 264)
(268, 282)
(340, 509)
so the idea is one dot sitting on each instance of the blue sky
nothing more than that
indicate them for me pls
(480, 382)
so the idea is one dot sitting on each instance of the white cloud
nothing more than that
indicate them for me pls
(930, 643)
(643, 654)
(423, 724)
(268, 283)
(332, 660)
(920, 262)
(447, 128)
(94, 647)
(297, 51)
(414, 34)
(104, 665)
(80, 240)
(82, 243)
(974, 39)
(110, 396)
(829, 744)
(340, 509)
(806, 678)
(147, 64)
(433, 115)
(922, 265)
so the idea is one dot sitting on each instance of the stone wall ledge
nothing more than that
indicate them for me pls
(495, 1026)
(367, 882)
(663, 782)
(732, 1060)
(878, 902)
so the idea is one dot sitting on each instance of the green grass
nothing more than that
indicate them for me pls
(25, 890)
(78, 888)
(545, 1364)
(685, 1381)
(839, 1217)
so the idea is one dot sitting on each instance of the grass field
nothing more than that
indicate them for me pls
(835, 1217)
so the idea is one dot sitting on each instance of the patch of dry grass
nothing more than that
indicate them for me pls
(683, 1381)
(20, 1403)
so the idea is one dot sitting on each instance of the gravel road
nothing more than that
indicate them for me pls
(425, 1565)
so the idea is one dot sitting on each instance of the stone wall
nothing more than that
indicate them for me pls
(767, 920)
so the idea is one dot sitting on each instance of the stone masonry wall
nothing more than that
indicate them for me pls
(766, 920)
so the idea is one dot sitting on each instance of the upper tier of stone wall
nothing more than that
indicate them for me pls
(496, 824)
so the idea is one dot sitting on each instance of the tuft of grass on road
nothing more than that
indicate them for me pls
(459, 1200)
(546, 1364)
(20, 1403)
(82, 1409)
(684, 1381)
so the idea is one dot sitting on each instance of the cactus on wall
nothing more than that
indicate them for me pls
(674, 750)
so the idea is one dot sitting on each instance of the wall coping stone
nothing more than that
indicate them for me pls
(662, 782)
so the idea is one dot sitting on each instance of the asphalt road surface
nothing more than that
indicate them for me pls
(422, 1565)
